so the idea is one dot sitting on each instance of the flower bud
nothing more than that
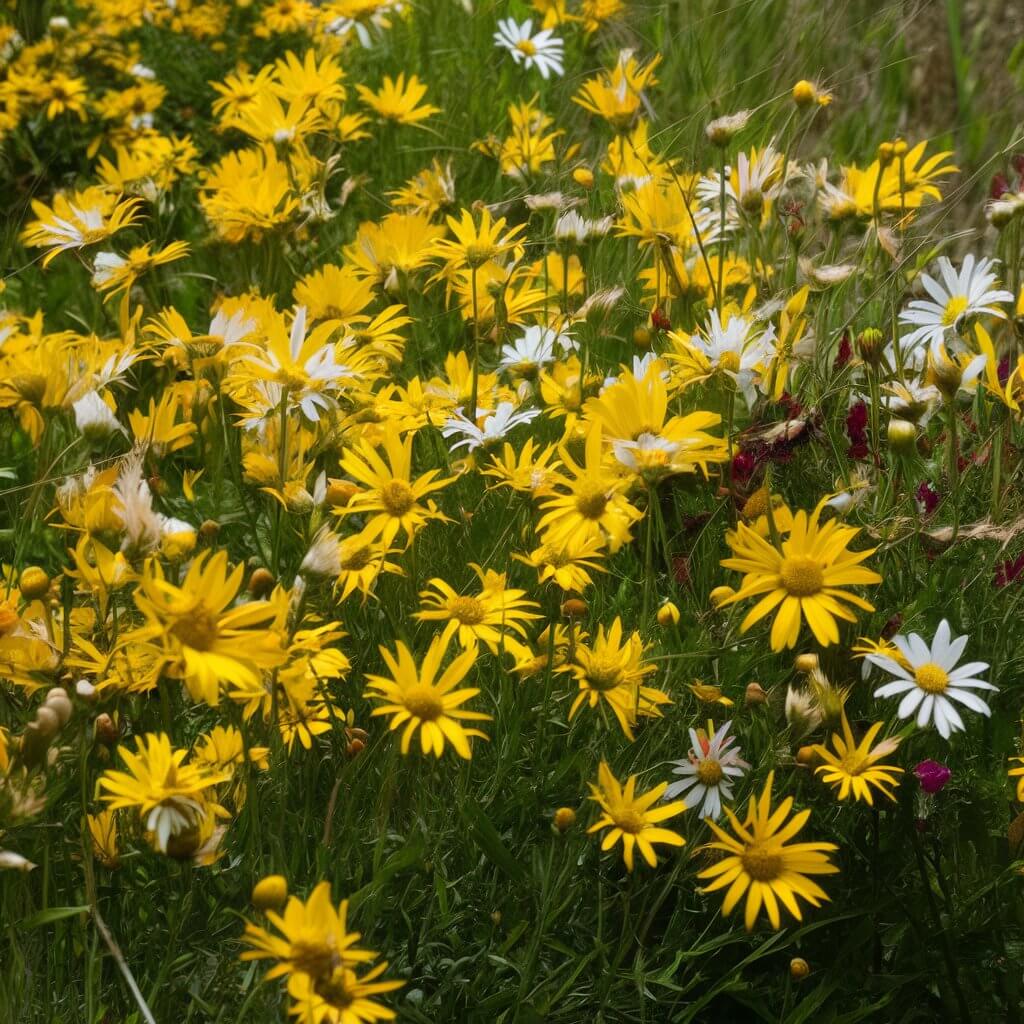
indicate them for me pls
(804, 93)
(34, 583)
(574, 608)
(261, 582)
(584, 177)
(106, 731)
(496, 918)
(899, 149)
(754, 695)
(902, 436)
(85, 690)
(209, 529)
(720, 594)
(807, 756)
(341, 492)
(48, 722)
(798, 968)
(870, 343)
(59, 702)
(270, 893)
(642, 337)
(564, 819)
(668, 615)
(885, 153)
(806, 663)
(720, 132)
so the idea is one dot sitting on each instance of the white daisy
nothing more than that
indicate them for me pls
(708, 773)
(739, 348)
(495, 426)
(543, 50)
(933, 680)
(961, 294)
(537, 347)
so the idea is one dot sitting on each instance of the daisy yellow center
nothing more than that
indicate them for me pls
(853, 763)
(478, 253)
(629, 820)
(197, 628)
(931, 678)
(291, 379)
(729, 361)
(756, 505)
(954, 309)
(397, 497)
(801, 576)
(555, 558)
(335, 990)
(709, 772)
(423, 702)
(355, 560)
(762, 862)
(314, 958)
(468, 610)
(527, 47)
(591, 502)
(604, 672)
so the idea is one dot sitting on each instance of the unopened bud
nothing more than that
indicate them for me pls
(85, 690)
(807, 756)
(754, 695)
(261, 582)
(209, 529)
(48, 722)
(642, 337)
(341, 492)
(270, 893)
(798, 968)
(106, 731)
(902, 435)
(574, 608)
(870, 343)
(34, 583)
(668, 615)
(720, 594)
(59, 702)
(806, 663)
(564, 819)
(584, 177)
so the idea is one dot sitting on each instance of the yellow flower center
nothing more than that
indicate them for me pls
(604, 672)
(757, 504)
(335, 990)
(316, 959)
(709, 772)
(353, 561)
(591, 502)
(762, 862)
(629, 820)
(931, 678)
(197, 628)
(468, 610)
(478, 253)
(397, 497)
(294, 380)
(555, 557)
(526, 47)
(423, 702)
(954, 309)
(853, 763)
(729, 361)
(801, 576)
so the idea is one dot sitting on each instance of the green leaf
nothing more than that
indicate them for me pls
(486, 836)
(49, 916)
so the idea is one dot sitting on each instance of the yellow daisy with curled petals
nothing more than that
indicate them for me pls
(853, 768)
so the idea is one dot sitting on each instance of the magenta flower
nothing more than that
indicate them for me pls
(932, 776)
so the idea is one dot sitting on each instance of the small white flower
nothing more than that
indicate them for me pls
(537, 347)
(646, 452)
(740, 348)
(495, 426)
(543, 50)
(708, 772)
(934, 681)
(962, 293)
(94, 419)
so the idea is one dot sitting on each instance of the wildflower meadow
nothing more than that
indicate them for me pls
(511, 511)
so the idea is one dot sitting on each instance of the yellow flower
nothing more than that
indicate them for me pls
(342, 998)
(115, 274)
(612, 671)
(205, 640)
(1018, 774)
(485, 617)
(398, 100)
(761, 862)
(391, 494)
(77, 220)
(314, 938)
(802, 576)
(171, 797)
(630, 818)
(476, 244)
(617, 95)
(361, 560)
(852, 767)
(103, 832)
(567, 564)
(708, 693)
(590, 503)
(425, 698)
